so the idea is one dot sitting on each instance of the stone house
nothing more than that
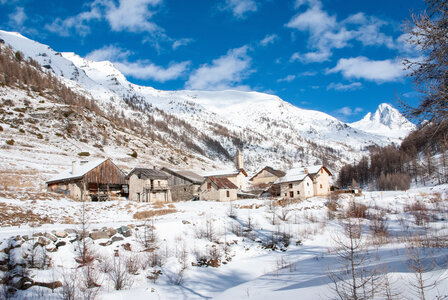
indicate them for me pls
(236, 176)
(90, 181)
(184, 185)
(218, 189)
(321, 179)
(148, 185)
(266, 176)
(305, 182)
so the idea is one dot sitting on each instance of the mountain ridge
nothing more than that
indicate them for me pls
(269, 129)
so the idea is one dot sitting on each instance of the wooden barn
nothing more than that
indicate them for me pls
(90, 181)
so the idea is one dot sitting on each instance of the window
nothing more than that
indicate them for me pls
(321, 171)
(298, 192)
(321, 186)
(285, 194)
(307, 184)
(158, 183)
(185, 189)
(290, 185)
(228, 194)
(209, 186)
(291, 194)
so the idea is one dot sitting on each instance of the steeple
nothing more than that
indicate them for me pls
(239, 162)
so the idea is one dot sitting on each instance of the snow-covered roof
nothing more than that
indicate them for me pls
(189, 175)
(223, 183)
(80, 169)
(299, 174)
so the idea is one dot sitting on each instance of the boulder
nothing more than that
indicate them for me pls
(96, 235)
(111, 232)
(117, 238)
(61, 234)
(71, 231)
(127, 233)
(107, 243)
(60, 244)
(122, 229)
(42, 241)
(185, 222)
(51, 237)
(51, 248)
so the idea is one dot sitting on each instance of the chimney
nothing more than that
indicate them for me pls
(74, 167)
(305, 170)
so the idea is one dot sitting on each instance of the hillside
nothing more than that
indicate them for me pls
(198, 128)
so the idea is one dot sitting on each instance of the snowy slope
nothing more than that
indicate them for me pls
(386, 121)
(272, 131)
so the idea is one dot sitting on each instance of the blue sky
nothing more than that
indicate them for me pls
(337, 56)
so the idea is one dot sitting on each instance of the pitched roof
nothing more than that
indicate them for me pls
(223, 183)
(81, 170)
(275, 172)
(299, 174)
(230, 172)
(188, 175)
(148, 173)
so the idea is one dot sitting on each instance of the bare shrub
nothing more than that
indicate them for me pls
(232, 211)
(147, 235)
(378, 225)
(133, 263)
(419, 211)
(356, 210)
(284, 214)
(207, 231)
(119, 274)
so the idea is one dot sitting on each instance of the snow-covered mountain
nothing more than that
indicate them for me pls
(270, 130)
(386, 121)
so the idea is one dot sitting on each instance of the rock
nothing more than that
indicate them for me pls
(96, 235)
(127, 233)
(106, 243)
(127, 247)
(122, 229)
(185, 222)
(51, 285)
(51, 248)
(116, 239)
(22, 283)
(73, 238)
(26, 238)
(111, 232)
(42, 241)
(60, 244)
(61, 234)
(51, 237)
(37, 234)
(71, 231)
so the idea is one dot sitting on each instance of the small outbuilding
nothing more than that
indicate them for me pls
(266, 176)
(148, 185)
(218, 189)
(90, 181)
(184, 184)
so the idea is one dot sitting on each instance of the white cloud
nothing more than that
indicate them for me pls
(148, 70)
(373, 70)
(347, 111)
(314, 20)
(181, 42)
(327, 33)
(240, 8)
(111, 53)
(288, 78)
(308, 73)
(18, 17)
(269, 39)
(141, 69)
(78, 22)
(132, 15)
(344, 87)
(224, 72)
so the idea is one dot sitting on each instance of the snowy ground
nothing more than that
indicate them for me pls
(245, 266)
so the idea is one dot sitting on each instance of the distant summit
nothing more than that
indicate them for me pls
(386, 121)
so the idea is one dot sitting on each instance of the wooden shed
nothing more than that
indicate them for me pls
(90, 181)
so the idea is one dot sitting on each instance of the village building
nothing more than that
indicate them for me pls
(321, 179)
(218, 189)
(90, 181)
(184, 184)
(266, 176)
(236, 176)
(304, 182)
(148, 185)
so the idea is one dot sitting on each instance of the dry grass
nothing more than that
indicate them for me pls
(145, 214)
(11, 215)
(251, 206)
